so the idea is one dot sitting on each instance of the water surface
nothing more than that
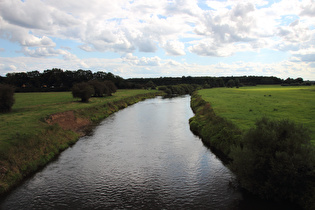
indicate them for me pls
(142, 157)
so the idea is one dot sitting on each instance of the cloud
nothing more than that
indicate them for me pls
(209, 47)
(221, 29)
(308, 9)
(174, 48)
(144, 61)
(34, 14)
(41, 52)
(145, 44)
(132, 66)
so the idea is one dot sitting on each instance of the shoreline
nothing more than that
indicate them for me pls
(64, 130)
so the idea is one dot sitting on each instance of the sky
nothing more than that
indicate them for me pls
(160, 38)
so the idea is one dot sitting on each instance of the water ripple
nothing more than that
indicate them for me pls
(143, 157)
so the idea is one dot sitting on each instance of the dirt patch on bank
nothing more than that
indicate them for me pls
(68, 121)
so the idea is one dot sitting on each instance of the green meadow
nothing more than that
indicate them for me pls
(30, 110)
(243, 106)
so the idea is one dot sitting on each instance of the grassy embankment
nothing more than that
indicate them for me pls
(223, 116)
(243, 106)
(28, 142)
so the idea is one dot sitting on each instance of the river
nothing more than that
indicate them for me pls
(142, 157)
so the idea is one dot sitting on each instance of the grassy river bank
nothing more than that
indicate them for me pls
(41, 125)
(274, 157)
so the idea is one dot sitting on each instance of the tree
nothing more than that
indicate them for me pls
(6, 98)
(277, 161)
(150, 84)
(111, 87)
(82, 90)
(237, 82)
(100, 88)
(230, 83)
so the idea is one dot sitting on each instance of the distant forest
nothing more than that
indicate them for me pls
(60, 80)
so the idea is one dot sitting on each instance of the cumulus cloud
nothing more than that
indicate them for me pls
(209, 47)
(144, 61)
(174, 27)
(34, 14)
(174, 48)
(308, 8)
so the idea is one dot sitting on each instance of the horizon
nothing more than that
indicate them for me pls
(167, 38)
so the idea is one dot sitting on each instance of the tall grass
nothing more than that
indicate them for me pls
(243, 106)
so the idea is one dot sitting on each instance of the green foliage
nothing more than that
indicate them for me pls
(57, 80)
(181, 89)
(230, 83)
(82, 90)
(110, 87)
(99, 88)
(150, 84)
(214, 130)
(6, 98)
(276, 161)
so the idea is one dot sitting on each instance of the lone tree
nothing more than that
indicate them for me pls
(6, 98)
(82, 90)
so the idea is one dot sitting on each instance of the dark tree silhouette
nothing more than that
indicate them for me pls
(6, 98)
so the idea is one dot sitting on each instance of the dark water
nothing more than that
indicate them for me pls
(142, 157)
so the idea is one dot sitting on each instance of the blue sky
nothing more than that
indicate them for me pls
(145, 38)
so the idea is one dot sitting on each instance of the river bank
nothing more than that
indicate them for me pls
(142, 157)
(29, 151)
(273, 160)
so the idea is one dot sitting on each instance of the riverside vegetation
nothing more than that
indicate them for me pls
(30, 138)
(274, 157)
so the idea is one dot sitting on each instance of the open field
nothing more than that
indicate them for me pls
(30, 110)
(246, 104)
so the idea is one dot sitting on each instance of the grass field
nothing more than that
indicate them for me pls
(246, 104)
(30, 109)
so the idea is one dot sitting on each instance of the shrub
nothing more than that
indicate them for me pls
(82, 90)
(276, 161)
(6, 98)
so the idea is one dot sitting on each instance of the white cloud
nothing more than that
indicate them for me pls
(144, 61)
(209, 47)
(308, 8)
(175, 26)
(132, 66)
(174, 48)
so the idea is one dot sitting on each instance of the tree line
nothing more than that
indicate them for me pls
(56, 79)
(210, 82)
(59, 80)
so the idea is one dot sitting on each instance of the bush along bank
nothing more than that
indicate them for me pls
(216, 132)
(274, 160)
(26, 154)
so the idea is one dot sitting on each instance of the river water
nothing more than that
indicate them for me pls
(142, 157)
